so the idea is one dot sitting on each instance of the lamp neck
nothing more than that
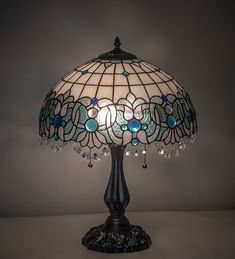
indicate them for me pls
(116, 196)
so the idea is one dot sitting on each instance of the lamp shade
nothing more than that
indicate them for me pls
(119, 99)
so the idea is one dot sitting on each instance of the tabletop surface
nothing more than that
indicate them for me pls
(175, 235)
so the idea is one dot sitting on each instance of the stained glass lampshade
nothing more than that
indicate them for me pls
(119, 104)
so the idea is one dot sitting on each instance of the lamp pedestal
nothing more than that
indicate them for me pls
(116, 235)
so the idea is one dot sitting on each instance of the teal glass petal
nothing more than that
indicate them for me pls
(77, 132)
(117, 130)
(68, 127)
(161, 131)
(146, 117)
(64, 123)
(120, 118)
(56, 137)
(151, 128)
(106, 135)
(83, 114)
(67, 117)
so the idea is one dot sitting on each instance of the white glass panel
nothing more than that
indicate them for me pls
(120, 80)
(76, 90)
(173, 87)
(137, 69)
(89, 90)
(120, 92)
(64, 88)
(164, 73)
(58, 86)
(128, 68)
(70, 75)
(176, 83)
(150, 66)
(145, 68)
(94, 79)
(164, 88)
(93, 68)
(85, 66)
(75, 77)
(139, 91)
(161, 75)
(146, 79)
(83, 79)
(134, 79)
(100, 69)
(104, 92)
(156, 78)
(110, 69)
(107, 80)
(119, 68)
(153, 90)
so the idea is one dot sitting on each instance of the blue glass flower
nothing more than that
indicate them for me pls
(134, 125)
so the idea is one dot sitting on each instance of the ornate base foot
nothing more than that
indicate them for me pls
(99, 239)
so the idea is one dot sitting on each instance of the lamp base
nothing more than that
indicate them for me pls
(101, 239)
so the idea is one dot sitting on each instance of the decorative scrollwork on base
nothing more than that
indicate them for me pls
(98, 239)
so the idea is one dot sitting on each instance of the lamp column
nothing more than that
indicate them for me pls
(116, 196)
(116, 235)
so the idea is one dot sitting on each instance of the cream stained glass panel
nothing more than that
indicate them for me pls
(110, 69)
(145, 68)
(165, 88)
(146, 79)
(139, 91)
(74, 78)
(134, 79)
(106, 80)
(128, 68)
(65, 88)
(94, 67)
(176, 83)
(155, 78)
(58, 85)
(84, 78)
(161, 75)
(153, 68)
(100, 69)
(120, 80)
(153, 90)
(173, 87)
(120, 92)
(76, 90)
(99, 81)
(70, 75)
(119, 69)
(94, 79)
(89, 91)
(86, 66)
(104, 92)
(137, 69)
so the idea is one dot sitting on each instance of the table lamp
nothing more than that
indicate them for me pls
(119, 104)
